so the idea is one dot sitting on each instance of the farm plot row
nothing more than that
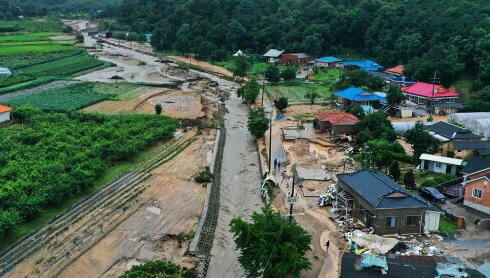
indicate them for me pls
(64, 99)
(63, 67)
(298, 93)
(58, 156)
(32, 26)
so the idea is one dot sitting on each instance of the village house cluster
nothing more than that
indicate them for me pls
(385, 225)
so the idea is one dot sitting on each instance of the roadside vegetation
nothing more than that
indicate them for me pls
(158, 269)
(55, 156)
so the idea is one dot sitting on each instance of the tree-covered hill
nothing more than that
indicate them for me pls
(13, 8)
(452, 36)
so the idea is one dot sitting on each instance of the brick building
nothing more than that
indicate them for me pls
(477, 191)
(297, 59)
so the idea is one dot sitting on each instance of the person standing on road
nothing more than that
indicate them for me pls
(279, 165)
(275, 164)
(327, 244)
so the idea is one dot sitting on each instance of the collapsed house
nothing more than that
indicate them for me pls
(377, 201)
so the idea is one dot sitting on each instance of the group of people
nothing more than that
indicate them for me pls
(277, 164)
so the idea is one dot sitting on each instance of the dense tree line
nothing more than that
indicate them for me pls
(54, 156)
(450, 36)
(11, 9)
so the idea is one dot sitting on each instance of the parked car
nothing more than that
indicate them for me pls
(432, 194)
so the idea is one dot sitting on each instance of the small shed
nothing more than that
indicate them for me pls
(5, 72)
(4, 113)
(238, 53)
(440, 164)
(336, 122)
(297, 59)
(396, 70)
(367, 65)
(273, 55)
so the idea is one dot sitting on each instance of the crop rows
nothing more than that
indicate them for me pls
(64, 67)
(77, 230)
(68, 98)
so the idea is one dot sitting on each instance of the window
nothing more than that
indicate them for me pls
(412, 220)
(477, 193)
(391, 222)
(438, 165)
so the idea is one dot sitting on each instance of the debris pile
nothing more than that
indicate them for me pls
(429, 245)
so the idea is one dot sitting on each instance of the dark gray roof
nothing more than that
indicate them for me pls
(376, 189)
(475, 164)
(484, 152)
(471, 145)
(451, 131)
(456, 105)
(400, 267)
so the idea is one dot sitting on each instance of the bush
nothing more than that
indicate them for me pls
(205, 176)
(281, 103)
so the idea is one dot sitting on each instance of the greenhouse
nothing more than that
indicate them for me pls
(480, 126)
(478, 122)
(402, 127)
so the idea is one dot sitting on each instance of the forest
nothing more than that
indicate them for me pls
(53, 156)
(450, 36)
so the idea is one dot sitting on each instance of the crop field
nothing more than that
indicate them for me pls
(64, 67)
(36, 49)
(58, 156)
(297, 93)
(65, 99)
(32, 26)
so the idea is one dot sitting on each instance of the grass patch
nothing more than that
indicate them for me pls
(30, 84)
(447, 226)
(32, 26)
(26, 37)
(257, 70)
(326, 75)
(425, 178)
(119, 91)
(296, 93)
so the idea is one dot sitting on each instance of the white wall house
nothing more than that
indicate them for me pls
(4, 113)
(440, 164)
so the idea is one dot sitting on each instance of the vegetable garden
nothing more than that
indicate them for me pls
(55, 156)
(64, 99)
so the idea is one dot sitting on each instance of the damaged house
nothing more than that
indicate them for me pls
(379, 202)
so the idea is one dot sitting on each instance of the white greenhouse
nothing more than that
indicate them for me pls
(477, 122)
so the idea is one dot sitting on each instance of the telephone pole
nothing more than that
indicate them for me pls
(263, 89)
(291, 198)
(270, 142)
(434, 80)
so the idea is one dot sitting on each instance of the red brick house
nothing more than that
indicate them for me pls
(297, 59)
(477, 191)
(336, 122)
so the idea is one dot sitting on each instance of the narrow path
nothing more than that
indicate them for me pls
(240, 195)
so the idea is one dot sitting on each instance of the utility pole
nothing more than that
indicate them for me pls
(434, 80)
(291, 198)
(270, 142)
(263, 89)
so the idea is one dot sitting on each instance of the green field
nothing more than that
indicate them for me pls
(257, 70)
(117, 91)
(297, 93)
(69, 98)
(26, 49)
(326, 75)
(64, 67)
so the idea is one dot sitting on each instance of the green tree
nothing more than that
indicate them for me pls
(395, 170)
(257, 122)
(356, 111)
(272, 74)
(271, 246)
(380, 153)
(281, 103)
(479, 102)
(421, 140)
(242, 65)
(158, 269)
(289, 73)
(375, 126)
(158, 109)
(409, 179)
(312, 95)
(394, 95)
(251, 90)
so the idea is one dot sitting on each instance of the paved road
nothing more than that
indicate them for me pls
(240, 194)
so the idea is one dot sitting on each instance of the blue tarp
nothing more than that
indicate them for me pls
(329, 59)
(367, 65)
(356, 94)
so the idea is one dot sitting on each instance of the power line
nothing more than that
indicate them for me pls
(274, 247)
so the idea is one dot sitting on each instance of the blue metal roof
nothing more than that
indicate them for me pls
(329, 59)
(356, 94)
(376, 188)
(367, 65)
